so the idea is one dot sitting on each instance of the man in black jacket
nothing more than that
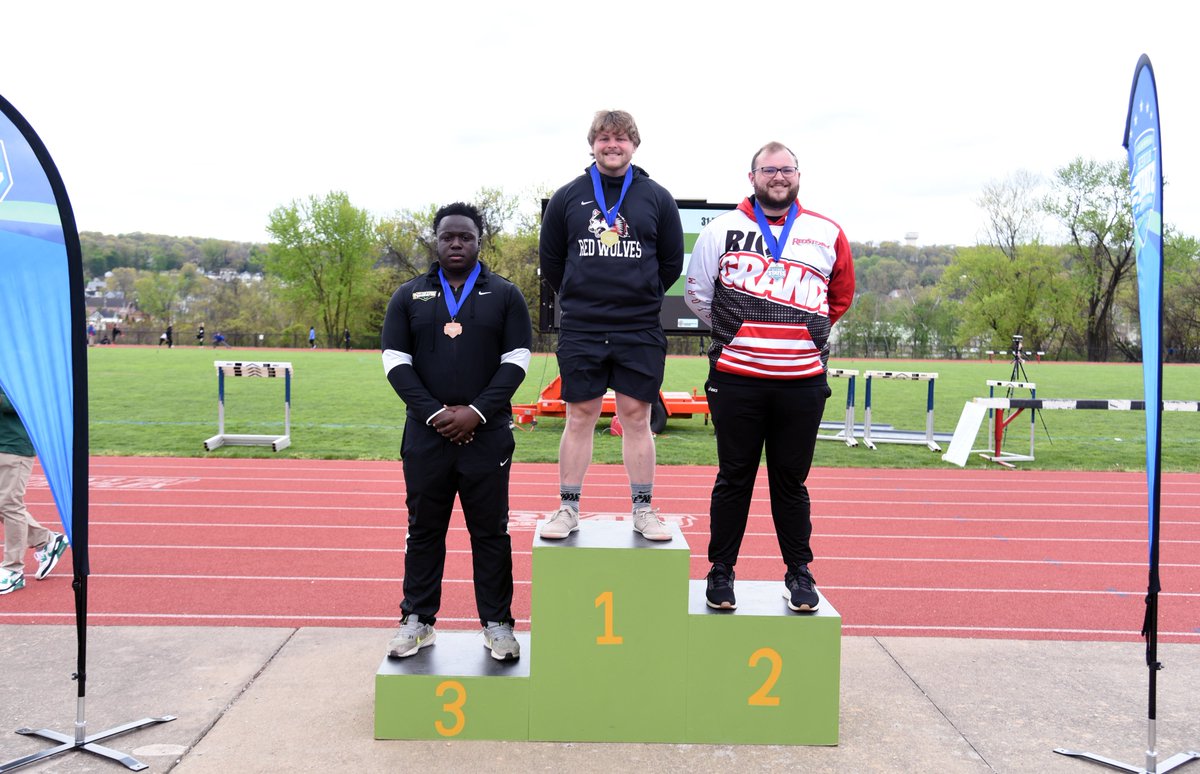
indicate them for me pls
(455, 348)
(611, 245)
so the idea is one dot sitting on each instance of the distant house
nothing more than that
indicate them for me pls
(104, 319)
(231, 275)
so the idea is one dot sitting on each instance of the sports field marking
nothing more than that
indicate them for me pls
(122, 482)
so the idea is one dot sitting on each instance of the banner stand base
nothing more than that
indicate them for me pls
(88, 744)
(1170, 764)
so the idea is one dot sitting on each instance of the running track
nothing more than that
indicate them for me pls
(948, 553)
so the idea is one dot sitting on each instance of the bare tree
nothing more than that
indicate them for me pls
(1091, 199)
(1013, 211)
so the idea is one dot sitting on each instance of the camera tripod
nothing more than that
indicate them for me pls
(1018, 376)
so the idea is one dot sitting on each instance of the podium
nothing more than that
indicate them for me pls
(454, 689)
(627, 651)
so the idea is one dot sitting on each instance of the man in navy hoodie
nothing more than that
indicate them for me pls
(611, 244)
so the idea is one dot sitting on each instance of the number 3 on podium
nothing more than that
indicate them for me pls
(608, 638)
(454, 708)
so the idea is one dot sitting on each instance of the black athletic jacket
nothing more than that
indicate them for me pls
(481, 367)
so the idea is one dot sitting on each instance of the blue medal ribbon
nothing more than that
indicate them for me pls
(454, 304)
(769, 238)
(610, 213)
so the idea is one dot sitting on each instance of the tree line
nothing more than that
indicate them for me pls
(333, 266)
(1074, 298)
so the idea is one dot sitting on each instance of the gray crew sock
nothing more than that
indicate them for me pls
(569, 496)
(641, 494)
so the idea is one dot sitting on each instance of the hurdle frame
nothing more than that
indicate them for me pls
(975, 409)
(847, 433)
(912, 376)
(266, 370)
(1000, 423)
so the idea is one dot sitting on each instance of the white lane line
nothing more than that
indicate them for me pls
(822, 518)
(816, 535)
(468, 623)
(204, 500)
(1005, 630)
(468, 581)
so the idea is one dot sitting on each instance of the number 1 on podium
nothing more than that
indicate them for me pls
(608, 638)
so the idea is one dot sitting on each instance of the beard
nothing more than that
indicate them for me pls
(771, 197)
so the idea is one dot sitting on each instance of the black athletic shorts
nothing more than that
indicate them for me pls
(631, 362)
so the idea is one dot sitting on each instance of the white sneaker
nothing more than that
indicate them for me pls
(48, 555)
(564, 521)
(647, 521)
(11, 581)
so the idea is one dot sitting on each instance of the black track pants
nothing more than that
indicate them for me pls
(784, 417)
(436, 470)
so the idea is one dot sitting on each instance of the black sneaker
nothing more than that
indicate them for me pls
(720, 588)
(802, 590)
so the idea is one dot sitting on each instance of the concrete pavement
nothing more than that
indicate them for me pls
(298, 700)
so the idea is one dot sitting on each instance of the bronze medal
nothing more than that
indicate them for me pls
(452, 329)
(610, 238)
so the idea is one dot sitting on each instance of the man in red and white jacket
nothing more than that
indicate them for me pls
(770, 278)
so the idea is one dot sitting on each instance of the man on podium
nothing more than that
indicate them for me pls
(456, 347)
(771, 278)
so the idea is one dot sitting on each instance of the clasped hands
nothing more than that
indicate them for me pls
(456, 424)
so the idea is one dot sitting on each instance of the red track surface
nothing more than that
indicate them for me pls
(959, 553)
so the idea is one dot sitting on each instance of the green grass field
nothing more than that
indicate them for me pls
(156, 402)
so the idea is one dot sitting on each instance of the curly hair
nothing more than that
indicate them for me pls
(614, 121)
(459, 208)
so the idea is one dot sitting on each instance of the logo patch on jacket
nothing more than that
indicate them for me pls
(424, 295)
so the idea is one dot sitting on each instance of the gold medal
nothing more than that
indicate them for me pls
(610, 237)
(452, 329)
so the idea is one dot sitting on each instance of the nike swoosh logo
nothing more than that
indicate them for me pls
(584, 204)
(506, 459)
(485, 292)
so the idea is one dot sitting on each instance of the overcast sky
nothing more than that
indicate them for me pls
(198, 119)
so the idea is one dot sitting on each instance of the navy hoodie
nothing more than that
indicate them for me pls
(617, 288)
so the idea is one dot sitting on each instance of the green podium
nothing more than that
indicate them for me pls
(612, 636)
(454, 689)
(627, 651)
(762, 674)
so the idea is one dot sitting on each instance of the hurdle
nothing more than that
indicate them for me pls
(1006, 352)
(995, 453)
(901, 436)
(847, 432)
(975, 410)
(266, 370)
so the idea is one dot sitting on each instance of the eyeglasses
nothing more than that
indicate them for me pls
(771, 171)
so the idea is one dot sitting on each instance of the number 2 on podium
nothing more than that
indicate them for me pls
(762, 697)
(608, 638)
